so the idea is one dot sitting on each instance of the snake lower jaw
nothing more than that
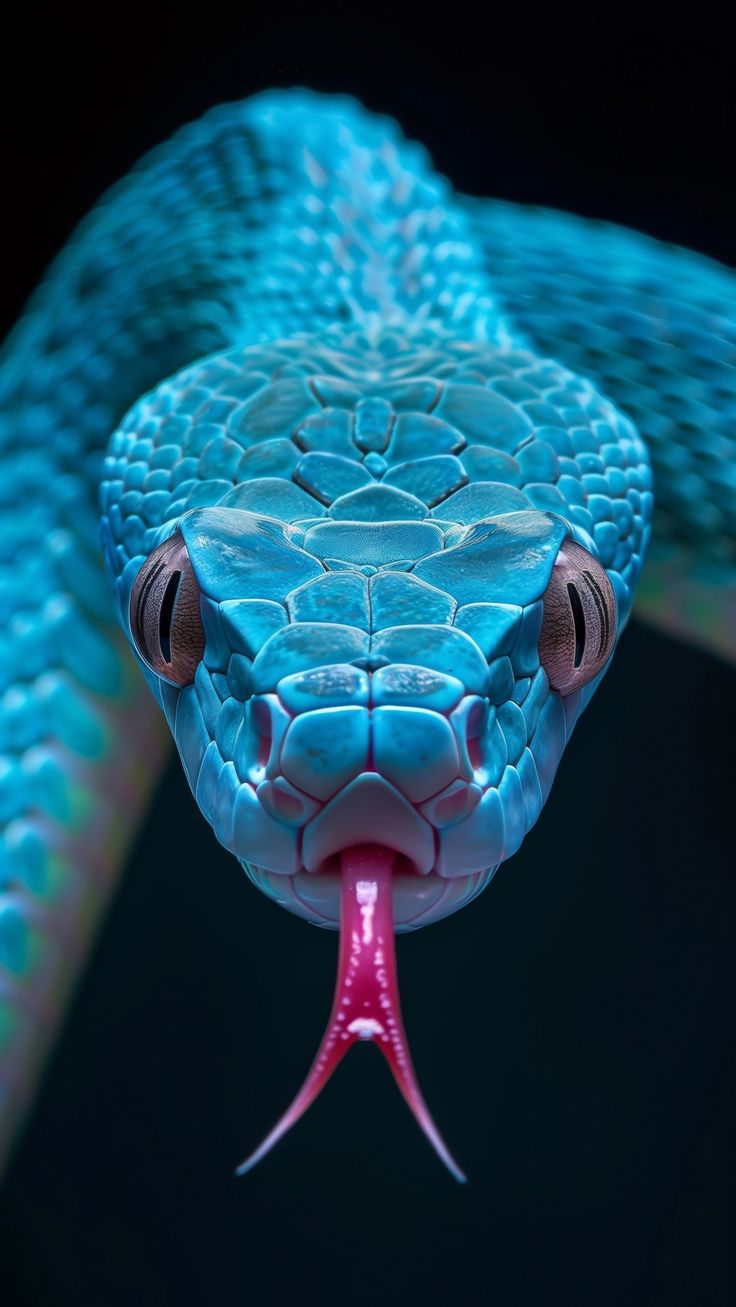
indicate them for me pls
(418, 900)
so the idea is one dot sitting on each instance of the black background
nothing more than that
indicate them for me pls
(573, 1029)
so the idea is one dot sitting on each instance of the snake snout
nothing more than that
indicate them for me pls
(326, 727)
(341, 754)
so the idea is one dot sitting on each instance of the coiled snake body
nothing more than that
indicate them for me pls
(373, 546)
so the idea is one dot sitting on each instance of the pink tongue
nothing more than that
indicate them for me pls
(366, 1003)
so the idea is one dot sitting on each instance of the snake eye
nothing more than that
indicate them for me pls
(579, 622)
(165, 618)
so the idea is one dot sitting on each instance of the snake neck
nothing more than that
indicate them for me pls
(370, 236)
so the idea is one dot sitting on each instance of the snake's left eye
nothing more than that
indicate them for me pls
(579, 622)
(165, 616)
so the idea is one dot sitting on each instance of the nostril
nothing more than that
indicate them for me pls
(477, 719)
(469, 721)
(265, 726)
(286, 803)
(475, 726)
(261, 720)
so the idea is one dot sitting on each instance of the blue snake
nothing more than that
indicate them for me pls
(377, 466)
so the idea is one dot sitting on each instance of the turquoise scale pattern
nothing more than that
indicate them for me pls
(312, 426)
(381, 452)
(369, 358)
(654, 326)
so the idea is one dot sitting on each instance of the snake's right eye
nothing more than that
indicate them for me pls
(579, 623)
(165, 616)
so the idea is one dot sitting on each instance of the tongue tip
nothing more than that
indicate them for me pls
(247, 1165)
(420, 1114)
(250, 1163)
(433, 1137)
(258, 1154)
(406, 1079)
(456, 1173)
(446, 1157)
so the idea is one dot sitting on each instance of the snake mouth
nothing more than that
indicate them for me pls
(366, 806)
(366, 1005)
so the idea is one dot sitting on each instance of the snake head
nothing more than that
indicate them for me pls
(366, 715)
(372, 620)
(328, 680)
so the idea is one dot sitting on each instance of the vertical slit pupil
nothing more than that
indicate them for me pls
(166, 613)
(578, 618)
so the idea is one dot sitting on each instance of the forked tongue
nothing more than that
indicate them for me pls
(366, 1005)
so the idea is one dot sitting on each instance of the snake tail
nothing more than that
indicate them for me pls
(366, 1004)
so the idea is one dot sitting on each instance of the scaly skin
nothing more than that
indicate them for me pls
(373, 477)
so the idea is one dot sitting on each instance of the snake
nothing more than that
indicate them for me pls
(357, 476)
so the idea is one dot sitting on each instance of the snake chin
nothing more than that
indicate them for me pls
(418, 900)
